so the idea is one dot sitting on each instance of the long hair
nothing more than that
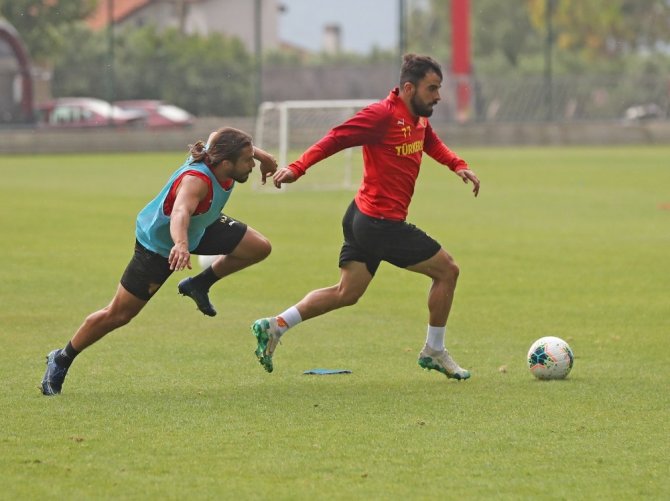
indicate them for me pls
(227, 143)
(415, 67)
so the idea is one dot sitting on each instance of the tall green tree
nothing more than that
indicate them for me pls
(41, 23)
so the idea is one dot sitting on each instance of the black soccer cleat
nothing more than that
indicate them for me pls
(52, 382)
(201, 298)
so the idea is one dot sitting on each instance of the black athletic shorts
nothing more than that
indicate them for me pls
(370, 240)
(148, 271)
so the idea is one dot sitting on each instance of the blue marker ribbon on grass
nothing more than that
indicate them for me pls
(323, 372)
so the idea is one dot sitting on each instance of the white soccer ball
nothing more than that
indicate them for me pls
(550, 358)
(206, 261)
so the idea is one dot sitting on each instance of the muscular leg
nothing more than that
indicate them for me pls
(253, 248)
(442, 269)
(354, 280)
(122, 309)
(444, 272)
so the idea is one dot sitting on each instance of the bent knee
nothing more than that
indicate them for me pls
(448, 269)
(454, 270)
(256, 251)
(263, 249)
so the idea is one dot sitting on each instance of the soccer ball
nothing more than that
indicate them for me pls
(206, 261)
(550, 358)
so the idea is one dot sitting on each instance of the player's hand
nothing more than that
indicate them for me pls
(284, 175)
(179, 257)
(467, 175)
(268, 168)
(268, 163)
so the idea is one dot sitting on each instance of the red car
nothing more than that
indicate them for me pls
(158, 114)
(72, 112)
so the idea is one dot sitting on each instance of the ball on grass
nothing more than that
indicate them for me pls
(550, 358)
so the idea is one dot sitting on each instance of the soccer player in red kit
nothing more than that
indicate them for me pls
(394, 133)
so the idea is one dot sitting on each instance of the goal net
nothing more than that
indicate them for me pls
(287, 128)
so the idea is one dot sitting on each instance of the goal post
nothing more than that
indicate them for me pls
(287, 128)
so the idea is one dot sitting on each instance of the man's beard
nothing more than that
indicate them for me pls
(241, 179)
(420, 109)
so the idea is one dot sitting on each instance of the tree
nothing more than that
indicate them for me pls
(40, 22)
(510, 36)
(80, 68)
(500, 30)
(605, 28)
(210, 75)
(429, 29)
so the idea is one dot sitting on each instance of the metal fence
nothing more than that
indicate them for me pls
(571, 98)
(493, 99)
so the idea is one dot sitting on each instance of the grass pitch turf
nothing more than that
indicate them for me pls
(571, 242)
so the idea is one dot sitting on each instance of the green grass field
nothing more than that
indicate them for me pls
(571, 242)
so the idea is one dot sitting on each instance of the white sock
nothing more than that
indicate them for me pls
(290, 318)
(435, 337)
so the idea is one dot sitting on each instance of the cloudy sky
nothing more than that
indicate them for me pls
(364, 23)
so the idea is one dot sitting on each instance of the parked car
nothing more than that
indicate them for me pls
(158, 114)
(75, 112)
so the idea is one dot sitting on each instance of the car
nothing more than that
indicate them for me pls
(73, 112)
(158, 114)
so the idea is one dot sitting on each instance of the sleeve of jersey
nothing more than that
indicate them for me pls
(434, 146)
(365, 127)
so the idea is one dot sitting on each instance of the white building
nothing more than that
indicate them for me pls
(234, 18)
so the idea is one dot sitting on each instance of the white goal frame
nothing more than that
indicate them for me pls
(284, 109)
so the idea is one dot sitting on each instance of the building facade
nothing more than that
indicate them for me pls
(234, 18)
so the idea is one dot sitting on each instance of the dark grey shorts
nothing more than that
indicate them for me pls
(370, 240)
(148, 271)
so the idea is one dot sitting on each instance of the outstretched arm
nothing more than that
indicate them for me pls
(366, 127)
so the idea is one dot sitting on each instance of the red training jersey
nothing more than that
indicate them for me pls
(393, 143)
